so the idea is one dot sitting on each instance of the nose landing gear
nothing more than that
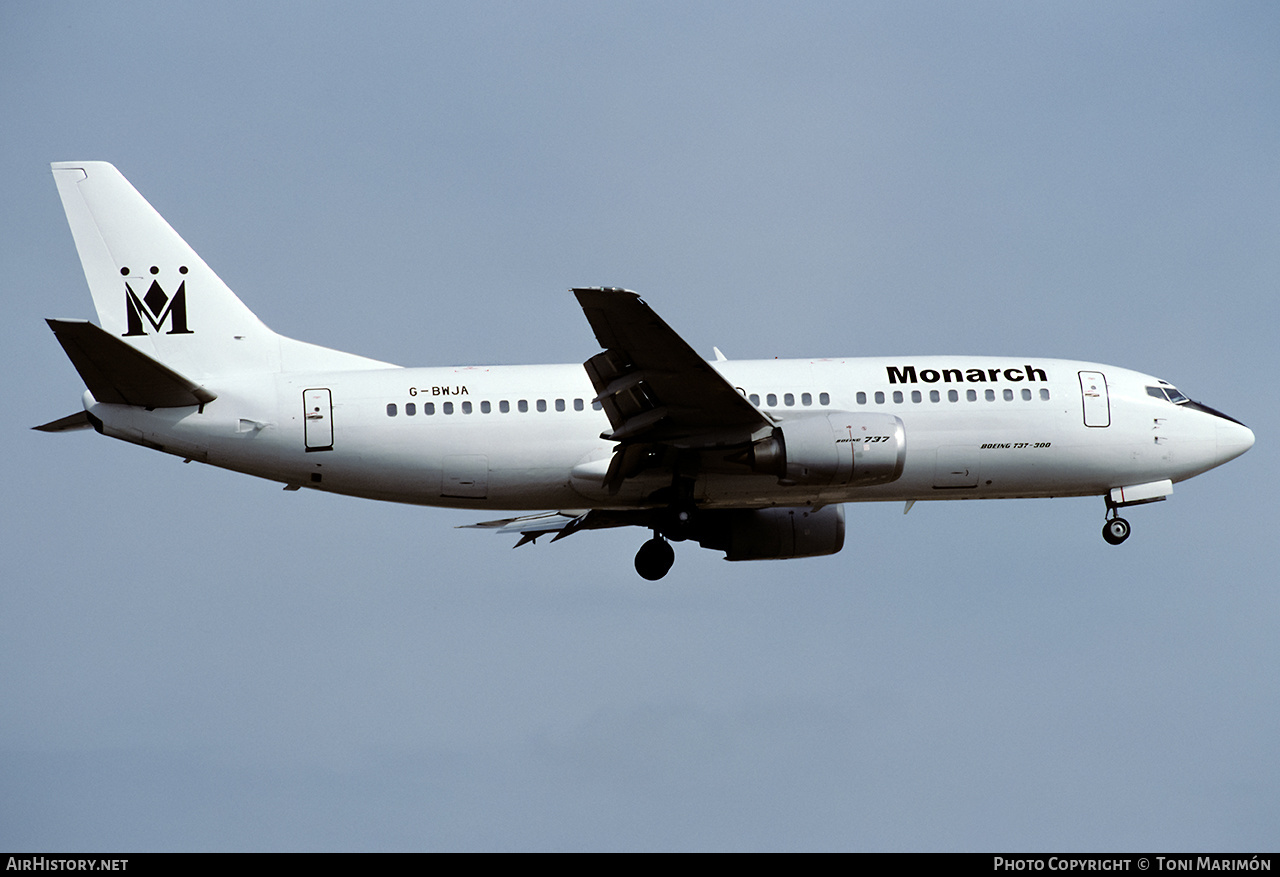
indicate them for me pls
(1116, 529)
(655, 557)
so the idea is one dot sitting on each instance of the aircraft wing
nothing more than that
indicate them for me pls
(653, 386)
(561, 523)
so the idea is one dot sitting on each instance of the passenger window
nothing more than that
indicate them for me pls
(806, 398)
(391, 409)
(596, 406)
(466, 407)
(559, 404)
(1026, 395)
(935, 396)
(1008, 395)
(789, 399)
(897, 396)
(879, 397)
(953, 396)
(971, 395)
(824, 398)
(755, 399)
(522, 406)
(542, 404)
(504, 407)
(991, 395)
(862, 398)
(447, 407)
(772, 399)
(410, 409)
(484, 408)
(577, 405)
(1044, 394)
(916, 397)
(428, 408)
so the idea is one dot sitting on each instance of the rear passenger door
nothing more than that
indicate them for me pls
(317, 419)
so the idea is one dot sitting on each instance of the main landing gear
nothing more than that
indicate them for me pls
(1116, 529)
(655, 557)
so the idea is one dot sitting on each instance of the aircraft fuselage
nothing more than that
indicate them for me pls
(528, 437)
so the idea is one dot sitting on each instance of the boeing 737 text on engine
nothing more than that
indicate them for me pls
(752, 458)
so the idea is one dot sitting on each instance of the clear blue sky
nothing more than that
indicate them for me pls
(192, 659)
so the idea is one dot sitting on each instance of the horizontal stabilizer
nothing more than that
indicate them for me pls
(117, 373)
(79, 420)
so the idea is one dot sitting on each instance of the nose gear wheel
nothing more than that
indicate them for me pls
(1115, 531)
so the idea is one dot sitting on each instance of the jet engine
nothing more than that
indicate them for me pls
(774, 533)
(836, 448)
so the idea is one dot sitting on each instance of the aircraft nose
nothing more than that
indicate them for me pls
(1233, 440)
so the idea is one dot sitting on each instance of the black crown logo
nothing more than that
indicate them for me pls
(156, 306)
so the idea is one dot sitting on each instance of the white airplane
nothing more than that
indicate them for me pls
(752, 458)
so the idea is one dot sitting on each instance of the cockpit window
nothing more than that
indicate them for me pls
(1170, 393)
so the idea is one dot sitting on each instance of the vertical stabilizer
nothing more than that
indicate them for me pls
(149, 287)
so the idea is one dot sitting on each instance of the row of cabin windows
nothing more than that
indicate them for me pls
(486, 407)
(953, 396)
(771, 400)
(789, 399)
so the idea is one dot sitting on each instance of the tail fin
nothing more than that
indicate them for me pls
(149, 287)
(154, 293)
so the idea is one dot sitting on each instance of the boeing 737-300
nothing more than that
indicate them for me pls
(752, 458)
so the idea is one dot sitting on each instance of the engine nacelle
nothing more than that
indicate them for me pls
(773, 534)
(835, 448)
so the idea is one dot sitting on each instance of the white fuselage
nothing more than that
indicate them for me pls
(528, 437)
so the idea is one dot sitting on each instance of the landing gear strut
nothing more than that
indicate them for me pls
(1115, 530)
(655, 557)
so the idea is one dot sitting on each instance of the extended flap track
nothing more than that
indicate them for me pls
(623, 390)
